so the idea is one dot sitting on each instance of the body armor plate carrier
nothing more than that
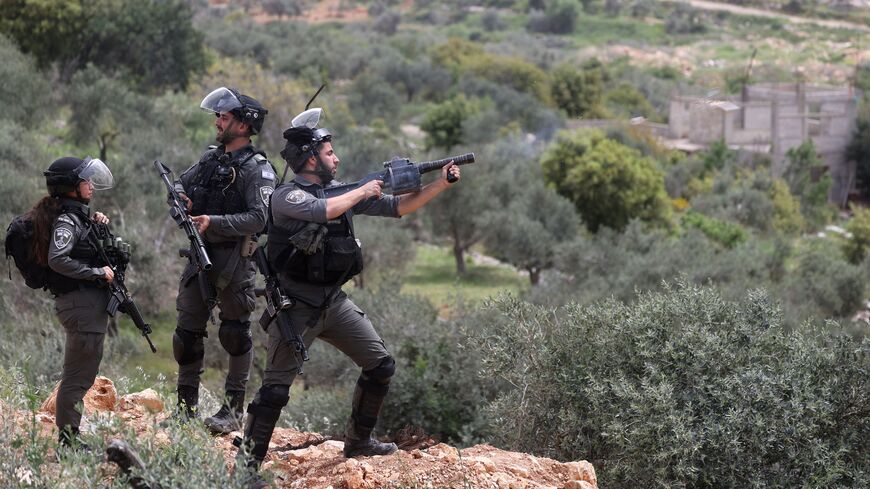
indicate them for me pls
(332, 264)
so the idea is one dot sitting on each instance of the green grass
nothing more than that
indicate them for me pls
(594, 30)
(433, 275)
(161, 364)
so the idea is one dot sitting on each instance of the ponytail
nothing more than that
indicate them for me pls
(43, 215)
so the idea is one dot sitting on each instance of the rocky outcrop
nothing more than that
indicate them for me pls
(311, 461)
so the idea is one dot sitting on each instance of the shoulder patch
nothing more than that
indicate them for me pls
(265, 193)
(62, 238)
(267, 174)
(66, 219)
(295, 197)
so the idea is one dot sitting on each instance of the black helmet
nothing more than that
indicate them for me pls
(64, 174)
(245, 108)
(302, 142)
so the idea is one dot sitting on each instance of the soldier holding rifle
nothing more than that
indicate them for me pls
(226, 194)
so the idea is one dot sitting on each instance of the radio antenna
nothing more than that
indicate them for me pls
(315, 95)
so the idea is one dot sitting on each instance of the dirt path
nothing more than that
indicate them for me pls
(737, 9)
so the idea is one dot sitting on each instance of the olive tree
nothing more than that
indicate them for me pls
(609, 183)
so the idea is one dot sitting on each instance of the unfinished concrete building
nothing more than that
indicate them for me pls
(773, 118)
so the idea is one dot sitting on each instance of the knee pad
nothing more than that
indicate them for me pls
(235, 337)
(187, 346)
(269, 401)
(274, 395)
(383, 372)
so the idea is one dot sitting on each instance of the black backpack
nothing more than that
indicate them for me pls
(18, 237)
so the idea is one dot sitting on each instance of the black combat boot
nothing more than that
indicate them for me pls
(229, 417)
(263, 413)
(68, 441)
(368, 397)
(188, 399)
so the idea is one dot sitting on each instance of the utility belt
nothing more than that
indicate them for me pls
(72, 285)
(245, 244)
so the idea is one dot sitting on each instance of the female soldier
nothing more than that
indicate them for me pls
(75, 277)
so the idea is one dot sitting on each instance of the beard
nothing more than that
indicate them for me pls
(228, 134)
(326, 175)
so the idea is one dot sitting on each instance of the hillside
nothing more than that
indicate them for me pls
(310, 460)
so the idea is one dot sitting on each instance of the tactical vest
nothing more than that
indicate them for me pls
(82, 251)
(216, 190)
(336, 262)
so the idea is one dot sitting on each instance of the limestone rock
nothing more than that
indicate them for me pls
(148, 399)
(102, 396)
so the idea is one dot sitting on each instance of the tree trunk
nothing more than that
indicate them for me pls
(534, 276)
(103, 145)
(459, 255)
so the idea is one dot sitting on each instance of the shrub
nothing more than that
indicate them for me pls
(685, 20)
(625, 101)
(509, 71)
(855, 247)
(806, 178)
(680, 389)
(612, 264)
(558, 17)
(824, 285)
(787, 217)
(722, 232)
(504, 108)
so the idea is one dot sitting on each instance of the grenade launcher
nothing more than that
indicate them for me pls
(400, 176)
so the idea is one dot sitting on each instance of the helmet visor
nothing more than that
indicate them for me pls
(97, 173)
(308, 119)
(220, 100)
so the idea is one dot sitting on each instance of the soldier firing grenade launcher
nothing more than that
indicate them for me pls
(116, 254)
(278, 307)
(400, 176)
(178, 211)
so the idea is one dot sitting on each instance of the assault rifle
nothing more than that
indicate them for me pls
(400, 176)
(196, 253)
(116, 254)
(278, 307)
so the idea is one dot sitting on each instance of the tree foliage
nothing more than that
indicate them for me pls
(859, 147)
(444, 122)
(25, 94)
(530, 222)
(807, 178)
(578, 92)
(558, 17)
(102, 108)
(130, 36)
(856, 246)
(465, 57)
(609, 183)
